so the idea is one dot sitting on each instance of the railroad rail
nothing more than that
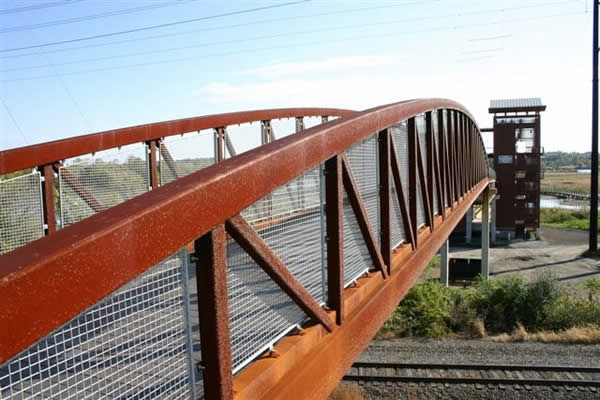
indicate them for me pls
(481, 374)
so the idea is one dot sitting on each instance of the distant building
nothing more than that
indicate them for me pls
(517, 161)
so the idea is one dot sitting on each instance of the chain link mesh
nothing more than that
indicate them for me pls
(183, 155)
(131, 345)
(95, 183)
(21, 218)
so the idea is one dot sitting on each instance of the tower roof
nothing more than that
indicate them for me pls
(516, 105)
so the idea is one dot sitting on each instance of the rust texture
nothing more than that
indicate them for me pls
(137, 234)
(335, 233)
(385, 197)
(262, 254)
(213, 310)
(360, 212)
(318, 372)
(48, 199)
(58, 150)
(152, 164)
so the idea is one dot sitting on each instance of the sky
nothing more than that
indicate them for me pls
(72, 67)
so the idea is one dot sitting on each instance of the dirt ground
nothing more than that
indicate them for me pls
(558, 251)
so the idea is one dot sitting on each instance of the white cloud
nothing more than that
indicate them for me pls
(320, 66)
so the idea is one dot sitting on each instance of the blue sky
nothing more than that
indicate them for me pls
(266, 54)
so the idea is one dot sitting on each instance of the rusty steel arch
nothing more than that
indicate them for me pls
(74, 268)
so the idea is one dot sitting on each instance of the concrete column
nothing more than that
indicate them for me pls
(493, 228)
(469, 219)
(485, 234)
(444, 260)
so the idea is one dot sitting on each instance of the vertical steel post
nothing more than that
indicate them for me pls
(152, 164)
(211, 280)
(469, 225)
(334, 213)
(593, 247)
(444, 262)
(429, 144)
(485, 234)
(219, 144)
(412, 177)
(48, 199)
(385, 198)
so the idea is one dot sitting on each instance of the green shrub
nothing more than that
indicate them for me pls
(424, 311)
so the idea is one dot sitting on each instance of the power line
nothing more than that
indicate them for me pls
(93, 16)
(38, 6)
(146, 28)
(221, 27)
(232, 41)
(287, 45)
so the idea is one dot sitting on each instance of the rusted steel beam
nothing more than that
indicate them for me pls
(262, 254)
(331, 356)
(48, 199)
(219, 138)
(81, 191)
(228, 143)
(50, 152)
(171, 164)
(334, 214)
(385, 197)
(152, 163)
(437, 176)
(166, 219)
(424, 188)
(430, 178)
(402, 201)
(211, 280)
(443, 159)
(413, 151)
(360, 212)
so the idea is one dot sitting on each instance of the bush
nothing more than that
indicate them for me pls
(425, 311)
(499, 305)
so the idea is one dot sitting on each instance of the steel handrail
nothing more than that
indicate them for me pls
(49, 281)
(50, 152)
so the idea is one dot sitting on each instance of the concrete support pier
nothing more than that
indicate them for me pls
(469, 226)
(444, 262)
(485, 234)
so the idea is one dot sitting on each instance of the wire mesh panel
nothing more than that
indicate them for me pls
(397, 224)
(134, 344)
(434, 127)
(363, 158)
(421, 132)
(183, 155)
(21, 218)
(445, 133)
(260, 312)
(101, 181)
(357, 259)
(290, 220)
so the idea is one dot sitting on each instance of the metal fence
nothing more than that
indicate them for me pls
(134, 344)
(103, 180)
(182, 155)
(21, 219)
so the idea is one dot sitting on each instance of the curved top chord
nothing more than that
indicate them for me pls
(113, 247)
(58, 150)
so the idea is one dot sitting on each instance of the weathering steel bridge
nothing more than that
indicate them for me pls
(217, 275)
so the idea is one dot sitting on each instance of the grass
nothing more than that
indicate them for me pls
(494, 307)
(576, 335)
(563, 218)
(569, 181)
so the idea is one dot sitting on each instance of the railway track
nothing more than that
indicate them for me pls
(477, 374)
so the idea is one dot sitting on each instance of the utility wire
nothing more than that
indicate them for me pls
(220, 27)
(146, 28)
(231, 41)
(287, 45)
(93, 16)
(38, 6)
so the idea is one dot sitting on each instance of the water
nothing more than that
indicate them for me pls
(553, 202)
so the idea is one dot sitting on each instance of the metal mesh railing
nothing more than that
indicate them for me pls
(357, 259)
(102, 181)
(183, 155)
(420, 126)
(291, 221)
(21, 218)
(134, 344)
(260, 312)
(363, 158)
